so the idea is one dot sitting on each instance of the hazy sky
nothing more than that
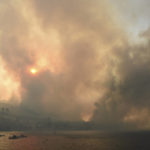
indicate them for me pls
(77, 59)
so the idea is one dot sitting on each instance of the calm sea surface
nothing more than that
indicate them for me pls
(81, 140)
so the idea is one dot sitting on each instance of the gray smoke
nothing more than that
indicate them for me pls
(126, 101)
(89, 59)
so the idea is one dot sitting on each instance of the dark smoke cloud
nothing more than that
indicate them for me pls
(126, 102)
(93, 61)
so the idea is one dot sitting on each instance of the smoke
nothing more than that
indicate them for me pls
(87, 66)
(126, 101)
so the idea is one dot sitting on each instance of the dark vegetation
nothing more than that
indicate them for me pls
(13, 119)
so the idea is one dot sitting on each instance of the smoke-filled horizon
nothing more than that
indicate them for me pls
(77, 59)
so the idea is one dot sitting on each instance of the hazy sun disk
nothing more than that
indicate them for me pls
(33, 70)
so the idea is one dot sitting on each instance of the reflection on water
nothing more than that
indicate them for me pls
(76, 141)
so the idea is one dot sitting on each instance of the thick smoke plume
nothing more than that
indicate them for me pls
(126, 101)
(87, 67)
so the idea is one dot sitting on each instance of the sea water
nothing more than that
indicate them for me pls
(76, 140)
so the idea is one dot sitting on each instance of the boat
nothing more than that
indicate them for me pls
(13, 137)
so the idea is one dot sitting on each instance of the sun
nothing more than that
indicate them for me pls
(33, 71)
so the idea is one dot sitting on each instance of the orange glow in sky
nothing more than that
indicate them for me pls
(33, 70)
(86, 117)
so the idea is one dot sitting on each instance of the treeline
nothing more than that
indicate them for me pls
(19, 121)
